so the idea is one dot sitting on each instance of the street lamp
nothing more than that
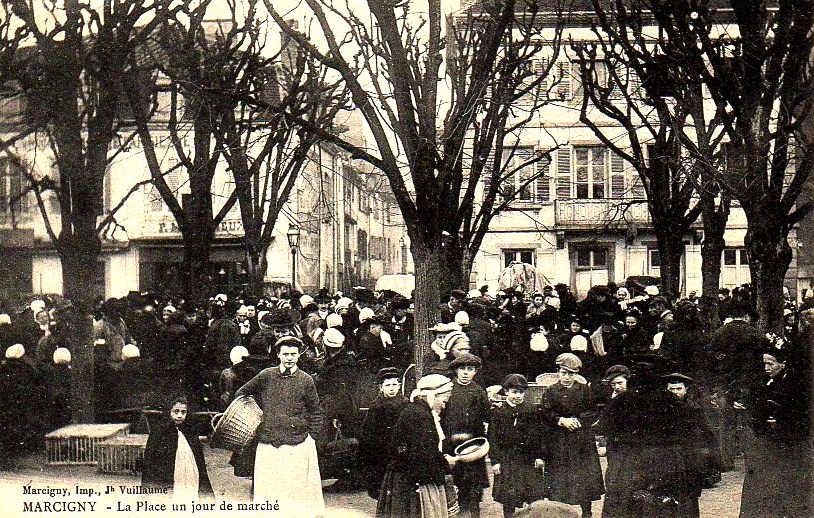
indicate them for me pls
(293, 236)
(403, 250)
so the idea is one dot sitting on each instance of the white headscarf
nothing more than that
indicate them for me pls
(430, 386)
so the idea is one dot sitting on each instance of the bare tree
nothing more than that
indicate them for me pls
(193, 92)
(759, 77)
(71, 83)
(264, 149)
(646, 88)
(391, 61)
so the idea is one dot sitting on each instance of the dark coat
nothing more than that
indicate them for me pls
(736, 358)
(778, 477)
(159, 457)
(466, 412)
(375, 438)
(573, 473)
(650, 436)
(22, 410)
(414, 446)
(516, 439)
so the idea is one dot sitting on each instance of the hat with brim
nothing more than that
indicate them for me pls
(278, 317)
(677, 377)
(569, 362)
(465, 359)
(333, 338)
(615, 371)
(387, 373)
(472, 450)
(289, 341)
(441, 327)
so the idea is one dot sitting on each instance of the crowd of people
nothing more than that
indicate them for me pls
(669, 395)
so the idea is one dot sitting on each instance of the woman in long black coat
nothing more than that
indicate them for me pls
(415, 480)
(165, 450)
(778, 476)
(573, 473)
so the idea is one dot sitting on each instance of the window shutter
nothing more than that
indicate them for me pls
(564, 80)
(617, 176)
(543, 193)
(563, 172)
(542, 86)
(487, 174)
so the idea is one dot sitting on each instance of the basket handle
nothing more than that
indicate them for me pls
(215, 420)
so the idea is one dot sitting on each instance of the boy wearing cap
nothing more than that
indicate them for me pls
(516, 448)
(464, 418)
(573, 472)
(378, 428)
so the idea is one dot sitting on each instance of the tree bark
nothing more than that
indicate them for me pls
(711, 249)
(428, 259)
(78, 258)
(671, 249)
(769, 259)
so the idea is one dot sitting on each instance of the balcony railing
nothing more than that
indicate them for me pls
(590, 213)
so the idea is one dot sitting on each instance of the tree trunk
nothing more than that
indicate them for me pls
(711, 249)
(671, 249)
(769, 259)
(427, 295)
(78, 258)
(454, 270)
(256, 265)
(196, 263)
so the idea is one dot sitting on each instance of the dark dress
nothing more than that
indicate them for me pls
(375, 439)
(573, 473)
(778, 479)
(415, 461)
(651, 436)
(466, 412)
(516, 440)
(159, 457)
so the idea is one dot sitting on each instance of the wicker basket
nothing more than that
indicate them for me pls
(234, 429)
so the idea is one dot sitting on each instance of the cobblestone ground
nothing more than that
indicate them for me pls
(722, 501)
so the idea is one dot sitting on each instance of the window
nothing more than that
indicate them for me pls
(591, 258)
(173, 178)
(590, 170)
(521, 255)
(522, 181)
(735, 257)
(735, 270)
(13, 183)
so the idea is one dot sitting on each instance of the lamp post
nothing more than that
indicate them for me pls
(403, 250)
(293, 236)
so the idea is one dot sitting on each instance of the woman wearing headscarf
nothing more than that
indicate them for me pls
(444, 350)
(378, 428)
(573, 473)
(414, 483)
(778, 477)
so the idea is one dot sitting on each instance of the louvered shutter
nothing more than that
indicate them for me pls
(564, 80)
(617, 176)
(540, 71)
(563, 172)
(543, 193)
(487, 174)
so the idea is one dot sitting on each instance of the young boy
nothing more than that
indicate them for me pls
(517, 448)
(464, 418)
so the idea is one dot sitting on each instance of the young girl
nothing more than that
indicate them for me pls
(516, 448)
(174, 457)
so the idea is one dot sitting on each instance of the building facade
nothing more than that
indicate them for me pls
(584, 220)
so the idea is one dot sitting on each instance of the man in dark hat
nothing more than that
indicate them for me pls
(464, 418)
(274, 325)
(371, 348)
(401, 327)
